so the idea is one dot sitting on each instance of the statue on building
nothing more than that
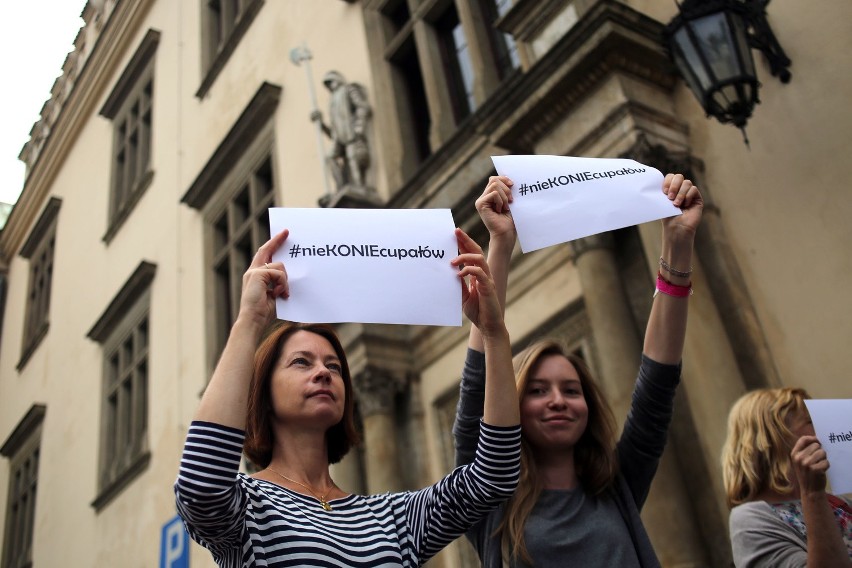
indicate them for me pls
(349, 158)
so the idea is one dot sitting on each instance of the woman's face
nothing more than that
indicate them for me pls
(554, 413)
(799, 423)
(307, 383)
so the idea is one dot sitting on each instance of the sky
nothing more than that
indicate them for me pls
(35, 38)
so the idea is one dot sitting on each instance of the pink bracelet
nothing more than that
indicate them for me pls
(670, 289)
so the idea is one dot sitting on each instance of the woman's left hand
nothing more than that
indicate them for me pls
(810, 464)
(479, 294)
(683, 194)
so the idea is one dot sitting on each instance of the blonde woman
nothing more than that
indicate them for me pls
(580, 492)
(774, 470)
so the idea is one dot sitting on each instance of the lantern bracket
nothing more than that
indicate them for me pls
(762, 38)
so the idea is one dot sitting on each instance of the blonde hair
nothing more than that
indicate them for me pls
(595, 458)
(756, 454)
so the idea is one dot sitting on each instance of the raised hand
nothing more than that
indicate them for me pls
(682, 193)
(493, 207)
(479, 294)
(263, 282)
(810, 464)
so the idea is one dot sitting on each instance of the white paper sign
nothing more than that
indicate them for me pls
(369, 265)
(832, 419)
(558, 199)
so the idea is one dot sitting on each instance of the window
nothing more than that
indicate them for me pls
(503, 44)
(123, 332)
(458, 68)
(22, 448)
(130, 108)
(436, 63)
(407, 80)
(38, 249)
(234, 191)
(4, 285)
(224, 22)
(237, 230)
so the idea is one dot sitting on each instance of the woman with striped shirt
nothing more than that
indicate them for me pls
(289, 405)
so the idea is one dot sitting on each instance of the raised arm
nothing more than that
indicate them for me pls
(443, 512)
(482, 306)
(664, 336)
(206, 491)
(493, 208)
(226, 397)
(645, 431)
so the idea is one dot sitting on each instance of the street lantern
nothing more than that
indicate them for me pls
(710, 42)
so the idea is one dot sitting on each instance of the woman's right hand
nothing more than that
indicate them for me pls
(810, 464)
(493, 207)
(263, 282)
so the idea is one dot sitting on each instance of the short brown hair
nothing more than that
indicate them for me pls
(756, 454)
(258, 443)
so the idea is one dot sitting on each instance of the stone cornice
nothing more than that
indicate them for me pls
(526, 17)
(610, 37)
(112, 44)
(51, 210)
(33, 418)
(123, 301)
(258, 112)
(146, 50)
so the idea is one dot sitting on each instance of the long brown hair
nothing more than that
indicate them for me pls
(595, 458)
(756, 454)
(259, 440)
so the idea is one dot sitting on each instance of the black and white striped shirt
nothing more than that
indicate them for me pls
(250, 522)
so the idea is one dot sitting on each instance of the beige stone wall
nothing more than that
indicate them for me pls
(65, 372)
(782, 202)
(782, 208)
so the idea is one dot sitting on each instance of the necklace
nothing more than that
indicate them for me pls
(321, 498)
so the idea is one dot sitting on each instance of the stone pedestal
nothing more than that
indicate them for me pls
(352, 197)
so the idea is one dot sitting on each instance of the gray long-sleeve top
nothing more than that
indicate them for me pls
(639, 450)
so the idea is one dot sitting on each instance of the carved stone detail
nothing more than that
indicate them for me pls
(660, 157)
(376, 390)
(592, 242)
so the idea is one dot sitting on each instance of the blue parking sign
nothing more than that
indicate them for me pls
(174, 547)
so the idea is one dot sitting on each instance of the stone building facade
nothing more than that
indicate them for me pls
(177, 124)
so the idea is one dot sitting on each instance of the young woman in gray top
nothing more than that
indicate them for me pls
(774, 471)
(580, 493)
